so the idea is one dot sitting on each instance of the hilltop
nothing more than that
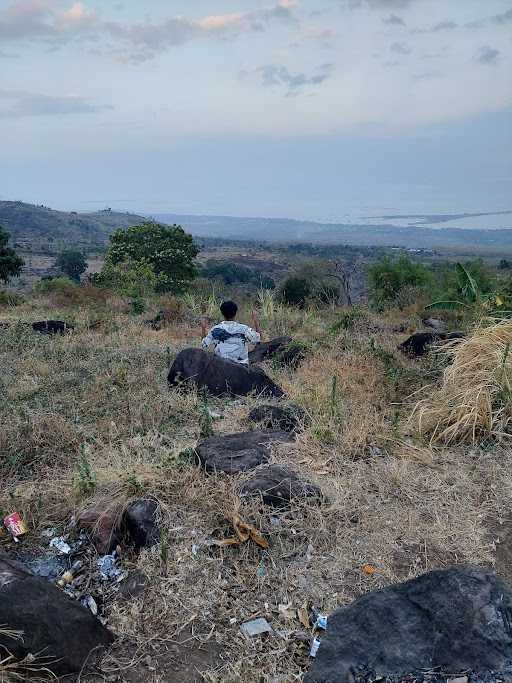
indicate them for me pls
(29, 224)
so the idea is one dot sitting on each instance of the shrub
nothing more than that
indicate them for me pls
(388, 277)
(10, 298)
(295, 290)
(234, 274)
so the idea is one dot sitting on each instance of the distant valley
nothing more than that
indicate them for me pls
(36, 228)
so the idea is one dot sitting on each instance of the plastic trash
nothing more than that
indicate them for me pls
(321, 622)
(109, 569)
(314, 647)
(60, 544)
(15, 525)
(256, 627)
(89, 602)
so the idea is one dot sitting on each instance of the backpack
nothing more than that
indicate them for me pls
(220, 335)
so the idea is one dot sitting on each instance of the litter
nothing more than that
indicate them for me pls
(314, 647)
(109, 569)
(89, 602)
(321, 622)
(15, 525)
(256, 627)
(60, 544)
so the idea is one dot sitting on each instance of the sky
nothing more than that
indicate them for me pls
(314, 109)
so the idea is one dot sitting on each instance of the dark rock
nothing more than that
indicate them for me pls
(232, 453)
(418, 343)
(140, 522)
(458, 619)
(219, 376)
(290, 418)
(52, 327)
(54, 626)
(278, 486)
(265, 350)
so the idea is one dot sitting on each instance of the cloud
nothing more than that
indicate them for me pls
(15, 104)
(277, 75)
(502, 18)
(400, 48)
(32, 21)
(393, 20)
(487, 55)
(378, 4)
(437, 28)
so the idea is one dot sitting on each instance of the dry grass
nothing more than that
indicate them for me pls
(474, 400)
(102, 395)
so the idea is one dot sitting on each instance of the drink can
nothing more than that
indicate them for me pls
(15, 525)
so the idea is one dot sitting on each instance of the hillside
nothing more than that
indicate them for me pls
(29, 224)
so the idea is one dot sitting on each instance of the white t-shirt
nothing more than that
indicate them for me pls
(233, 347)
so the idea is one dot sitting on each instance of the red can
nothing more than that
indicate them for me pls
(15, 525)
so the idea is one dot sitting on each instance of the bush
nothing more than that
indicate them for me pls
(10, 298)
(235, 274)
(295, 290)
(65, 292)
(388, 277)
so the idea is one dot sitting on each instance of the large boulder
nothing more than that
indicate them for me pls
(53, 625)
(52, 327)
(288, 418)
(278, 486)
(219, 376)
(265, 350)
(457, 619)
(418, 343)
(232, 453)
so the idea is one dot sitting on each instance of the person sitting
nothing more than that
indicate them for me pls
(230, 337)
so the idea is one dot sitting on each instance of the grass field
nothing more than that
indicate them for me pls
(99, 396)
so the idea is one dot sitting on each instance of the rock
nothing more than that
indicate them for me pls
(53, 625)
(102, 522)
(289, 418)
(140, 523)
(109, 524)
(232, 453)
(435, 324)
(278, 486)
(457, 619)
(265, 350)
(219, 376)
(52, 327)
(417, 344)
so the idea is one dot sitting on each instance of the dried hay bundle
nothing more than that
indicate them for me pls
(475, 399)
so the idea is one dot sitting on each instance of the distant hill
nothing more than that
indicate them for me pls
(29, 224)
(38, 228)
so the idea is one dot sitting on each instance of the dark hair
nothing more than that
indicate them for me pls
(228, 309)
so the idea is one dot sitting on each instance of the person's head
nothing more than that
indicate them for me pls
(229, 310)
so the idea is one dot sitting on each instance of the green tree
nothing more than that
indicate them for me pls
(10, 263)
(389, 276)
(167, 250)
(72, 263)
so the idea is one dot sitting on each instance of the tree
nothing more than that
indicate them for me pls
(389, 276)
(10, 263)
(71, 263)
(168, 250)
